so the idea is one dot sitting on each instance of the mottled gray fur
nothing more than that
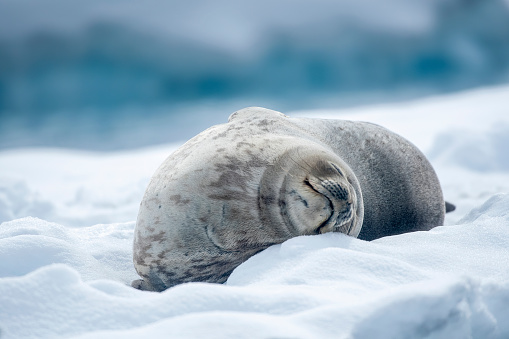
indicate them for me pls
(262, 178)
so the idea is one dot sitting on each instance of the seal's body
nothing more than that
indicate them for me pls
(262, 178)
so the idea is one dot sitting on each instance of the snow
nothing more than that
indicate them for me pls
(76, 188)
(68, 220)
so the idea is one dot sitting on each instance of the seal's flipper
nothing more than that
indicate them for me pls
(143, 285)
(449, 207)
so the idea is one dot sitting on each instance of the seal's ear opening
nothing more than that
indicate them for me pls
(449, 207)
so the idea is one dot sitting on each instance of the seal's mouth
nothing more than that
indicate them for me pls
(320, 228)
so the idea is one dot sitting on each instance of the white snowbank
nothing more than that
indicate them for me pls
(64, 276)
(450, 282)
(100, 251)
(76, 188)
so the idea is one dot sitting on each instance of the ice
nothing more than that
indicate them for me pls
(451, 281)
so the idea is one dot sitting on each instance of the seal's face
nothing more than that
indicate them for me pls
(316, 194)
(328, 199)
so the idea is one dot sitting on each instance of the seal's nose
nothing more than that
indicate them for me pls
(342, 202)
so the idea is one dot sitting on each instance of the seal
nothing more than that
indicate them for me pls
(263, 178)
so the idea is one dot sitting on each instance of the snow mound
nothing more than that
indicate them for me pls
(493, 208)
(101, 251)
(479, 151)
(17, 200)
(76, 188)
(450, 282)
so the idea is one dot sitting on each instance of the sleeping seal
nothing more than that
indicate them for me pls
(262, 178)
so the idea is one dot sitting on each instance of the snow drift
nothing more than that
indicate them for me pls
(450, 282)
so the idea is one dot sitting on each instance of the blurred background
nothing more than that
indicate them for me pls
(117, 74)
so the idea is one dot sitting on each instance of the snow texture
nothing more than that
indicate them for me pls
(68, 221)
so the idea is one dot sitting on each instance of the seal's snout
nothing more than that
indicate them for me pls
(309, 190)
(341, 201)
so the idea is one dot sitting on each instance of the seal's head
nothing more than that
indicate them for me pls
(311, 191)
(233, 191)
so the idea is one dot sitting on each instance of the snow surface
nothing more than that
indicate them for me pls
(68, 220)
